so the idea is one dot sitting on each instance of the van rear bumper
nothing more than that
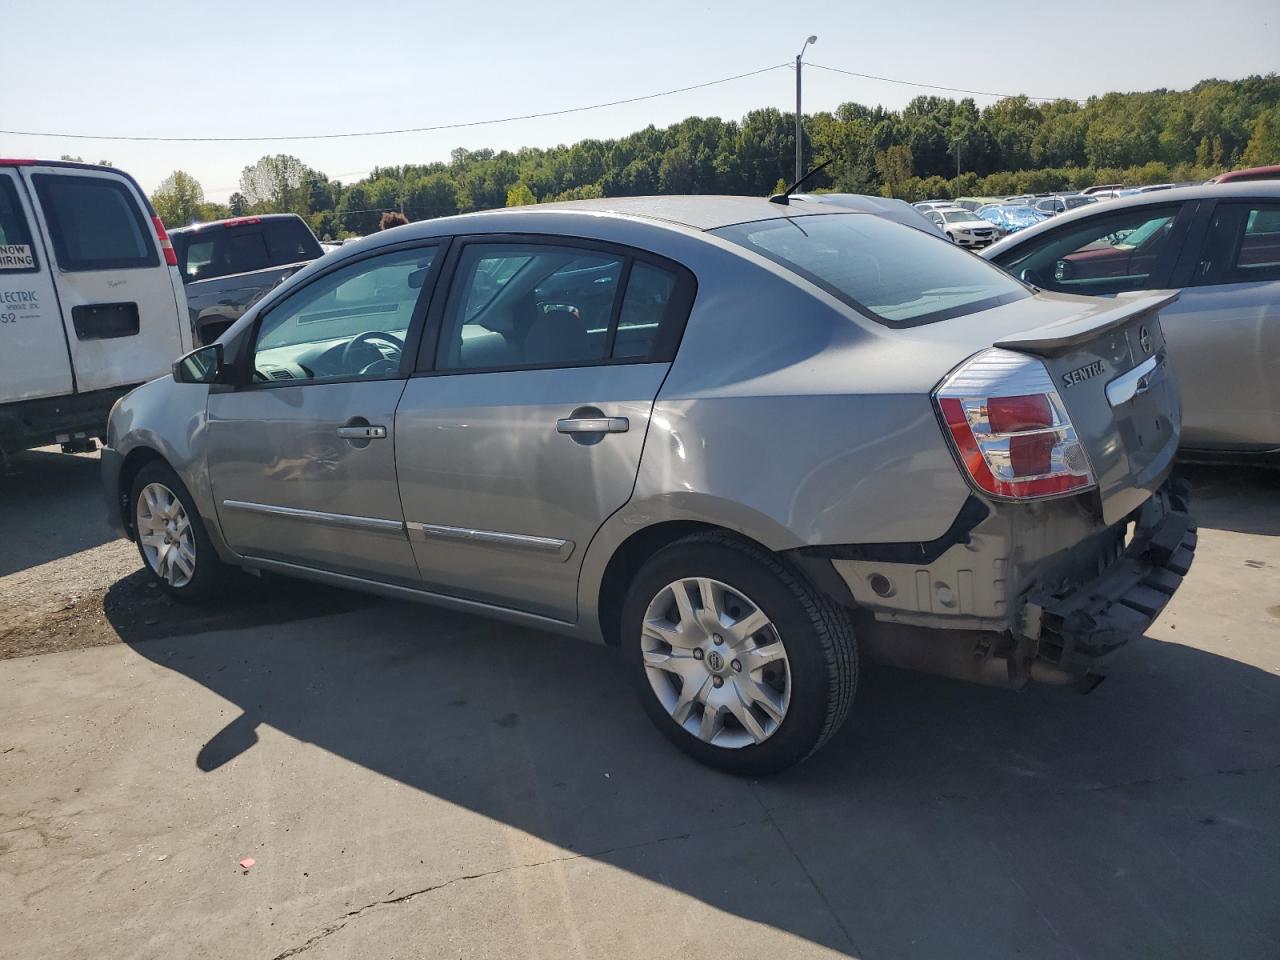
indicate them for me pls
(36, 423)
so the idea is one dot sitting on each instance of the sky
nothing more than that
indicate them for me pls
(269, 68)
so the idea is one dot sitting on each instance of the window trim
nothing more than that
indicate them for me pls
(1161, 271)
(665, 346)
(243, 363)
(21, 211)
(54, 227)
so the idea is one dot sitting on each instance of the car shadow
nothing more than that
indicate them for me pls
(962, 820)
(1244, 499)
(49, 507)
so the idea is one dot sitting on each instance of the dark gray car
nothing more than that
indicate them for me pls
(746, 442)
(1219, 244)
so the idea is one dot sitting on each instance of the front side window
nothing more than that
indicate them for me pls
(1243, 244)
(1099, 255)
(17, 255)
(522, 305)
(352, 322)
(899, 276)
(95, 223)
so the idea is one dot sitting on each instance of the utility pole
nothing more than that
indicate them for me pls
(799, 129)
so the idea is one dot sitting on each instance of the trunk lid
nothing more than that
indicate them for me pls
(1110, 366)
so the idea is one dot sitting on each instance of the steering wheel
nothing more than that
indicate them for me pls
(365, 341)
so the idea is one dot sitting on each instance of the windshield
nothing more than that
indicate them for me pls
(956, 216)
(897, 275)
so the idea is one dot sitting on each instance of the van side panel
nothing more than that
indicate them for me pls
(34, 358)
(117, 294)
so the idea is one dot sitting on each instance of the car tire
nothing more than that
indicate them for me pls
(171, 537)
(796, 702)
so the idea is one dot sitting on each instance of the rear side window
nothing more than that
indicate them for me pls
(95, 223)
(242, 248)
(899, 276)
(17, 255)
(1100, 255)
(1243, 244)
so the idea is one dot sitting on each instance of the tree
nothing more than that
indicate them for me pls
(275, 185)
(894, 167)
(1264, 143)
(519, 195)
(179, 199)
(237, 205)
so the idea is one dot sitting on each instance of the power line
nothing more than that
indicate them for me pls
(934, 86)
(385, 133)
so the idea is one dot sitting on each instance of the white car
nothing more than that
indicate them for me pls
(91, 302)
(964, 228)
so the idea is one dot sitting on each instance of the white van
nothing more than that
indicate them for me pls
(91, 303)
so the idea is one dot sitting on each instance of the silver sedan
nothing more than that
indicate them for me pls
(746, 442)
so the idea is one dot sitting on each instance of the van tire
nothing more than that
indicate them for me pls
(188, 568)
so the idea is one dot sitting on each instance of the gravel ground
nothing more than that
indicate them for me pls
(66, 582)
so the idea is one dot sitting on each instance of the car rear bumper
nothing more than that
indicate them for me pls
(1079, 630)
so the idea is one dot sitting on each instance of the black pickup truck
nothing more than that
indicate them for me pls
(227, 265)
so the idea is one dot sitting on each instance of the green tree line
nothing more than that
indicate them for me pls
(933, 147)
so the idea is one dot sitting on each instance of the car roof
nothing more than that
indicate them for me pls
(698, 212)
(250, 218)
(1261, 189)
(1249, 173)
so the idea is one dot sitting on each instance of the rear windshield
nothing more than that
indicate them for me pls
(243, 248)
(95, 223)
(899, 276)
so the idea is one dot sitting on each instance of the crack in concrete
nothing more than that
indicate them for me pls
(1174, 778)
(351, 915)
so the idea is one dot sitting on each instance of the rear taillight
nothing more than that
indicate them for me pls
(166, 244)
(241, 221)
(1010, 428)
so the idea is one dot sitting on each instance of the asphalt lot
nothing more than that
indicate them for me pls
(418, 783)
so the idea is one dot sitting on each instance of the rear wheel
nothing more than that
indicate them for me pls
(737, 658)
(171, 536)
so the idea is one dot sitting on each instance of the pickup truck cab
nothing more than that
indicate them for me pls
(91, 304)
(227, 265)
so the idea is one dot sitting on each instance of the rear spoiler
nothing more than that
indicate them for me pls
(1065, 335)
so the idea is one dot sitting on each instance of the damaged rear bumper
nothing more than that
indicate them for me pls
(1079, 629)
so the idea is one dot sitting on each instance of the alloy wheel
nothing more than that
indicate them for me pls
(164, 531)
(716, 662)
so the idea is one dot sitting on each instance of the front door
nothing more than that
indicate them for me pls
(524, 429)
(302, 455)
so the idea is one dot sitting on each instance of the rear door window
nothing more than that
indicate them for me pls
(17, 254)
(95, 223)
(1128, 250)
(1242, 245)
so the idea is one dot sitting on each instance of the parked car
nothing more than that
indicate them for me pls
(974, 204)
(1061, 203)
(924, 205)
(1108, 188)
(1010, 217)
(962, 228)
(749, 442)
(899, 211)
(1251, 173)
(90, 302)
(1219, 244)
(228, 264)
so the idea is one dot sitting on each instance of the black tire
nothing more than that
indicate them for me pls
(210, 574)
(817, 636)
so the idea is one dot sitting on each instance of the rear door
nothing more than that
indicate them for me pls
(1225, 328)
(34, 358)
(523, 430)
(120, 306)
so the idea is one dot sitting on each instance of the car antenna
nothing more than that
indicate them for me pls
(784, 197)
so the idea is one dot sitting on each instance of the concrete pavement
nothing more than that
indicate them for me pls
(417, 783)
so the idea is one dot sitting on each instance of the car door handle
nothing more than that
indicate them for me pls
(593, 425)
(362, 433)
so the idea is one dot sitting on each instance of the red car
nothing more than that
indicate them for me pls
(1252, 173)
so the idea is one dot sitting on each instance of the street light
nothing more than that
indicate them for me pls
(799, 144)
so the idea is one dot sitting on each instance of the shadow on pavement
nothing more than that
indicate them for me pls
(50, 507)
(1239, 498)
(945, 820)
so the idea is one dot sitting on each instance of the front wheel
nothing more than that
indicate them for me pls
(171, 536)
(737, 658)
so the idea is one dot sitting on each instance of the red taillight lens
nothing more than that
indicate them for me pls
(1020, 445)
(241, 221)
(166, 244)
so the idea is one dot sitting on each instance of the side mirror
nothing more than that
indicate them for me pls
(203, 365)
